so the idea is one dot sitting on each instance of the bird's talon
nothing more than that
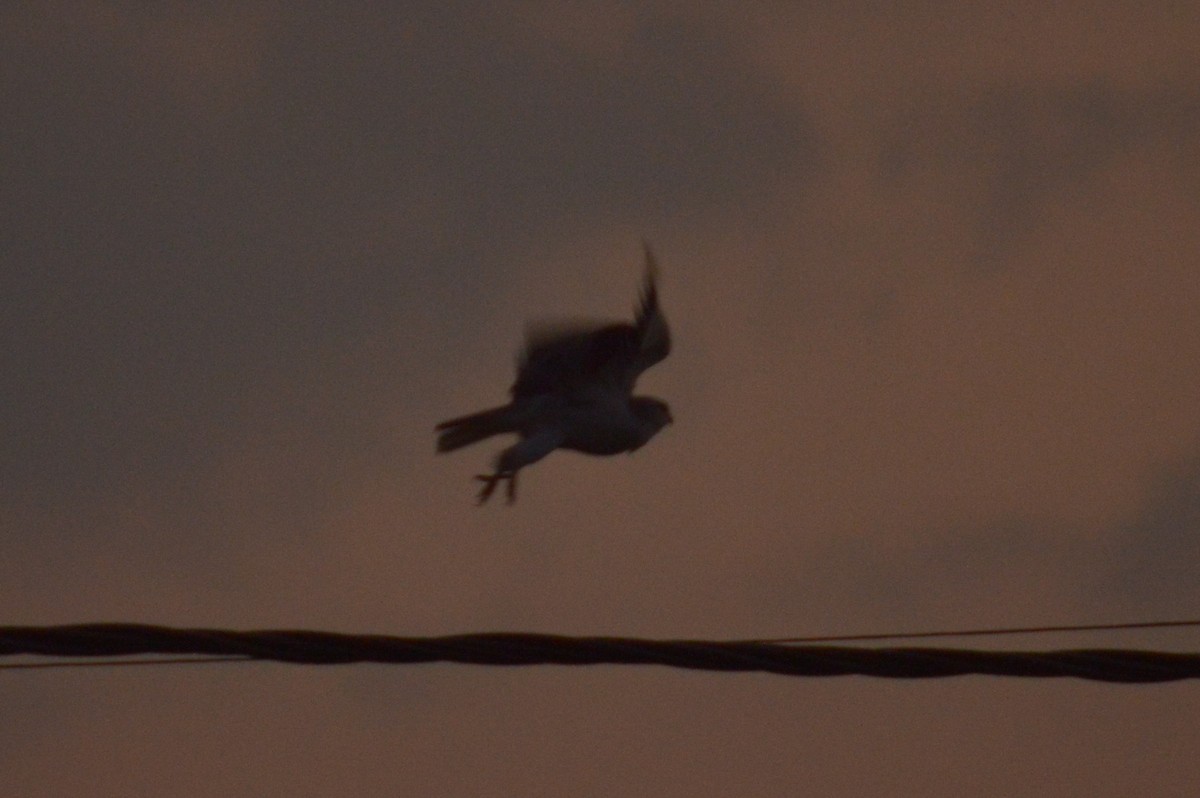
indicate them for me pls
(490, 481)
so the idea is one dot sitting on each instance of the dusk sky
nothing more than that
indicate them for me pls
(932, 276)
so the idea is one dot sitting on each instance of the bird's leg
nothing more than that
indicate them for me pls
(489, 486)
(529, 449)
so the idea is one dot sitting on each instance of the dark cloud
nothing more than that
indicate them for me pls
(174, 256)
(1024, 571)
(958, 576)
(250, 253)
(1022, 152)
(1154, 565)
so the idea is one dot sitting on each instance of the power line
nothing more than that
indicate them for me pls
(512, 648)
(1018, 630)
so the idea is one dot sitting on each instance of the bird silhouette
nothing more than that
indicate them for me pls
(574, 390)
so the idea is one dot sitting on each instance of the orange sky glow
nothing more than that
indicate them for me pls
(931, 275)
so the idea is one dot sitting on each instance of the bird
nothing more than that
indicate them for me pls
(574, 390)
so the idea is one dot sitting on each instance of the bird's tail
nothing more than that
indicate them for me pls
(465, 430)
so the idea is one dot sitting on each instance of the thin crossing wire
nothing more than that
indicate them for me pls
(91, 641)
(1011, 630)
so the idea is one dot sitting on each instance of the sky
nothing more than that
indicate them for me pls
(930, 271)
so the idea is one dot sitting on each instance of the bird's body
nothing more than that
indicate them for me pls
(574, 391)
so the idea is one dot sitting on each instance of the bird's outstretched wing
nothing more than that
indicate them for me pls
(652, 333)
(571, 359)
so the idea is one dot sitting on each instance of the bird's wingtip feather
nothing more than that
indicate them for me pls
(651, 262)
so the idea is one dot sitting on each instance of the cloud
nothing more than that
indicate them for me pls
(1025, 571)
(173, 273)
(1154, 558)
(1019, 153)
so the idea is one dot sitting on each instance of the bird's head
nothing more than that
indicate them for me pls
(653, 413)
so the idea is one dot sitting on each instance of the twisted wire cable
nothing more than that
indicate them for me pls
(516, 648)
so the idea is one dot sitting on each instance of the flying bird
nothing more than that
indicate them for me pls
(574, 390)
